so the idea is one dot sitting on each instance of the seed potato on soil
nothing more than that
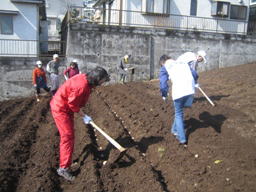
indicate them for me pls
(221, 140)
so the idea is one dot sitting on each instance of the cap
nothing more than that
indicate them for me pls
(55, 56)
(39, 63)
(202, 54)
(126, 56)
(74, 61)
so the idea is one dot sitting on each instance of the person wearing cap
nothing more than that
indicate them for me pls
(39, 79)
(53, 69)
(122, 69)
(72, 70)
(193, 60)
(69, 99)
(183, 89)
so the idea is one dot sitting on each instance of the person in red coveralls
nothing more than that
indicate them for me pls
(39, 79)
(69, 98)
(72, 70)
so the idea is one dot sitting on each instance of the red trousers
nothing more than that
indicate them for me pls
(65, 125)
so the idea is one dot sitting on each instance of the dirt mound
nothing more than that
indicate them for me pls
(221, 140)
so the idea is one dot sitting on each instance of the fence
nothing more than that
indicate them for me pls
(169, 21)
(30, 48)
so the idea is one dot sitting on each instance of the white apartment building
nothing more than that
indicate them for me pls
(20, 24)
(55, 11)
(223, 16)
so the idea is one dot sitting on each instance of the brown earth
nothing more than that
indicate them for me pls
(220, 156)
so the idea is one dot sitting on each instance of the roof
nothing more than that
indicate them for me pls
(7, 7)
(27, 1)
(100, 2)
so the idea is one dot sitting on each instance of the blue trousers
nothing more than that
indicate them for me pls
(178, 123)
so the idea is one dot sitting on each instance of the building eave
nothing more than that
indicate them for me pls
(9, 12)
(27, 1)
(100, 2)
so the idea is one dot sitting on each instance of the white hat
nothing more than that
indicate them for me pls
(55, 56)
(74, 61)
(39, 63)
(202, 54)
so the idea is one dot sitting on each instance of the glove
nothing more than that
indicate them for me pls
(34, 85)
(126, 69)
(197, 85)
(164, 98)
(87, 119)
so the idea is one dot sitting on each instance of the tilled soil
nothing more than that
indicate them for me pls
(221, 140)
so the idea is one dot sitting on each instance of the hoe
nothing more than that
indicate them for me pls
(208, 99)
(115, 156)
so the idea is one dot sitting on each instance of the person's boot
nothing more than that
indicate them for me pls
(64, 172)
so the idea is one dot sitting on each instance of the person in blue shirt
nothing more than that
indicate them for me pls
(183, 89)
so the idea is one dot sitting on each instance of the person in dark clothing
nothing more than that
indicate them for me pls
(122, 69)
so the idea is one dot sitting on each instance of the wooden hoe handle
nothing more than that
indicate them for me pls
(210, 101)
(111, 140)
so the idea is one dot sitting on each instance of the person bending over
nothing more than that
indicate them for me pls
(69, 98)
(183, 89)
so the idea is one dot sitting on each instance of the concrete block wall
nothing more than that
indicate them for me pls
(105, 45)
(16, 76)
(94, 45)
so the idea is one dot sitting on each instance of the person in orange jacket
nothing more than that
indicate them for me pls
(39, 79)
(69, 98)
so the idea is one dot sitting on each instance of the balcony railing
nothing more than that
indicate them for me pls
(168, 21)
(30, 48)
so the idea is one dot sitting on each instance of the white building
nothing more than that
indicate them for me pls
(226, 16)
(20, 23)
(55, 11)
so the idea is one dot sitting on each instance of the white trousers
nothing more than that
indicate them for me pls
(55, 81)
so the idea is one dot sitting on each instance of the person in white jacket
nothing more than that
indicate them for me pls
(183, 89)
(193, 59)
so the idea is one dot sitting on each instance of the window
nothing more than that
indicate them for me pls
(156, 6)
(193, 7)
(6, 24)
(58, 24)
(150, 6)
(166, 7)
(220, 8)
(238, 12)
(252, 13)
